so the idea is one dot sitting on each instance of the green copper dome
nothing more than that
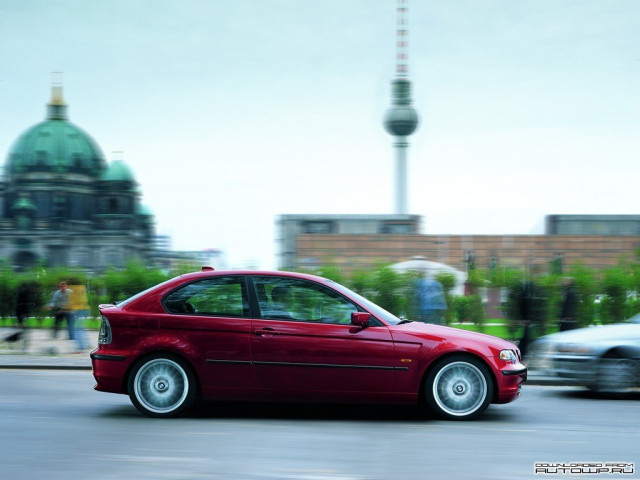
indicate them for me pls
(118, 171)
(144, 210)
(55, 145)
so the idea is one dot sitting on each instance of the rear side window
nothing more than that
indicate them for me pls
(217, 297)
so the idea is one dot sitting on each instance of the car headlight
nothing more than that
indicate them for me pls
(508, 356)
(572, 348)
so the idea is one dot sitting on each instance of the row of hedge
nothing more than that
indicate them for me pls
(604, 296)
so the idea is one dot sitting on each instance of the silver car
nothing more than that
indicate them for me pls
(602, 358)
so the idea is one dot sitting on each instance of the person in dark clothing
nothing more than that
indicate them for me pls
(24, 303)
(525, 338)
(525, 311)
(569, 305)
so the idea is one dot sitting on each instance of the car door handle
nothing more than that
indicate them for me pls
(264, 331)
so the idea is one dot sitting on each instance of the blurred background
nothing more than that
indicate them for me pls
(470, 163)
(252, 135)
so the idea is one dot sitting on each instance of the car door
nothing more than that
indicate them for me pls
(209, 319)
(306, 342)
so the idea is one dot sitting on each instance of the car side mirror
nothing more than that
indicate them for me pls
(361, 319)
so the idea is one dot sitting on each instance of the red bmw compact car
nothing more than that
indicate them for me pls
(292, 337)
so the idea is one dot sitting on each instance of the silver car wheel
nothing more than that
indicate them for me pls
(459, 389)
(161, 385)
(617, 375)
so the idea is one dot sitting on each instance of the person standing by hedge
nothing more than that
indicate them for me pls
(60, 305)
(430, 300)
(569, 305)
(79, 306)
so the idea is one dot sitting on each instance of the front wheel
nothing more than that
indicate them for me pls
(459, 388)
(162, 386)
(617, 375)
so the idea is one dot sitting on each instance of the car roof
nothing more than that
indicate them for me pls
(216, 273)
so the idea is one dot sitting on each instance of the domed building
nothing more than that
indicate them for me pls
(61, 204)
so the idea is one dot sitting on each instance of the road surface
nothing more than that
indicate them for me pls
(55, 426)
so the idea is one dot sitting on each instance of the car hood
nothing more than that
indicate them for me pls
(593, 334)
(429, 331)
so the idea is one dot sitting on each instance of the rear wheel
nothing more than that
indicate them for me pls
(459, 388)
(162, 385)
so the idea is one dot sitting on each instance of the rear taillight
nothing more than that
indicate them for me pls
(104, 337)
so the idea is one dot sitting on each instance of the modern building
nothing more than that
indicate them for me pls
(61, 204)
(290, 228)
(609, 225)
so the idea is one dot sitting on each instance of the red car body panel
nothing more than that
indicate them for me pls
(254, 358)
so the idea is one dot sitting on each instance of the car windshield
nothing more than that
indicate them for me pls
(376, 310)
(634, 319)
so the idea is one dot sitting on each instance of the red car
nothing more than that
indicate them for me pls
(287, 336)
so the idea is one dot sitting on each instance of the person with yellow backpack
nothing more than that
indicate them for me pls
(79, 306)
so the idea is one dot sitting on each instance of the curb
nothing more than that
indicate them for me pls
(44, 367)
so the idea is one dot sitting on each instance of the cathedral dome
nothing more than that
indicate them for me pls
(118, 171)
(55, 145)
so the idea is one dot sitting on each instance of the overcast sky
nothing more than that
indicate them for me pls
(233, 112)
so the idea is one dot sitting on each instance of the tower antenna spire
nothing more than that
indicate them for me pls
(402, 38)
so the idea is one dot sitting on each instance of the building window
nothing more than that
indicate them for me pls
(78, 207)
(43, 205)
(78, 161)
(60, 206)
(318, 228)
(112, 205)
(113, 258)
(397, 228)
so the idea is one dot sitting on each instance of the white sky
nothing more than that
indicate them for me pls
(232, 112)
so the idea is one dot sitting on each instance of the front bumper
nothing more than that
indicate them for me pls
(510, 383)
(582, 369)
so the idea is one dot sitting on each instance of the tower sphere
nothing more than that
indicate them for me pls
(401, 119)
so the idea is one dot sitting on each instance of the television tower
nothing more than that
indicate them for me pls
(401, 119)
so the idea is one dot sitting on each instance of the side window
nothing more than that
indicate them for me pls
(291, 299)
(218, 297)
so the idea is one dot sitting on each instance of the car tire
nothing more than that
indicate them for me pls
(459, 388)
(617, 375)
(162, 385)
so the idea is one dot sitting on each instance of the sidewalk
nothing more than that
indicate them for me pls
(40, 351)
(43, 352)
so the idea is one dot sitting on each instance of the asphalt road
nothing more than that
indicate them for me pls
(53, 425)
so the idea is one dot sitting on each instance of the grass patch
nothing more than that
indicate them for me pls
(47, 322)
(499, 330)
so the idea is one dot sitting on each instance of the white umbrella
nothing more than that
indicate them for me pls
(431, 269)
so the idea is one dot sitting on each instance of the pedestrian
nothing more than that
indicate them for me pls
(430, 300)
(61, 309)
(79, 306)
(525, 312)
(24, 304)
(569, 305)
